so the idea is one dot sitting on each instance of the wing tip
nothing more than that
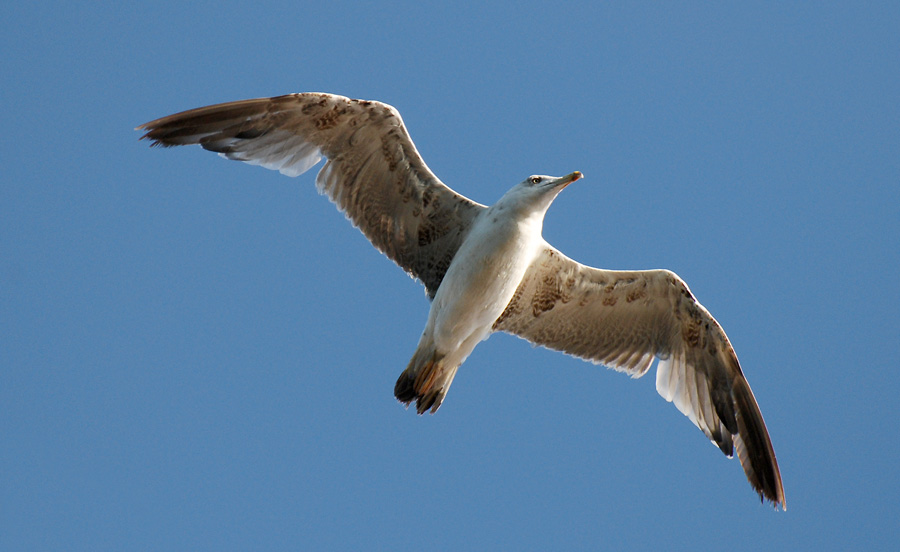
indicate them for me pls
(774, 496)
(754, 447)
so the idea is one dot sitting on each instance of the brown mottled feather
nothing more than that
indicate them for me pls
(371, 162)
(624, 319)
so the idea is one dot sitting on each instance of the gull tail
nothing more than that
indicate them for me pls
(427, 379)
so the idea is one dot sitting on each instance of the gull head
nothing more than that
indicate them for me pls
(537, 192)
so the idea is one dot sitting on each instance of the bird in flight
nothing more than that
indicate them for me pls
(488, 269)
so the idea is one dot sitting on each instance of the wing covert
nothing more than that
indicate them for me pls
(373, 173)
(625, 319)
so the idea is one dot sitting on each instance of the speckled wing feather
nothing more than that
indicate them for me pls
(624, 319)
(373, 174)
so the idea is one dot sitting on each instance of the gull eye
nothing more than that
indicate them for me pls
(536, 179)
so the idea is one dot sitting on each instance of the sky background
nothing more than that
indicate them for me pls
(197, 354)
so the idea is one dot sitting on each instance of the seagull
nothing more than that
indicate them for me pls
(488, 269)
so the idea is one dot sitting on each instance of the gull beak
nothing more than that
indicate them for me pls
(568, 179)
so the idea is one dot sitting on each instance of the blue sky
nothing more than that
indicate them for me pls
(196, 354)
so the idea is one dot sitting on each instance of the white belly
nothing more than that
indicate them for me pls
(480, 282)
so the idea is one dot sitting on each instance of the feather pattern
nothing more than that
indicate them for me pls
(624, 319)
(371, 163)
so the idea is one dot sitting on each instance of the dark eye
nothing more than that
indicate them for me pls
(536, 179)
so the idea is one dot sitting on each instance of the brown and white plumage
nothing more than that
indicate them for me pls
(373, 172)
(487, 268)
(625, 319)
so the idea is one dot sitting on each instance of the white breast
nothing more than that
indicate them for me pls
(482, 278)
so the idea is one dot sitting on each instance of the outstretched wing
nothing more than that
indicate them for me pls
(624, 319)
(373, 174)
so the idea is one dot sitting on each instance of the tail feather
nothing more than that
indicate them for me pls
(426, 380)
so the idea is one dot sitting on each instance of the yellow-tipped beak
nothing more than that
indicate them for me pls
(568, 179)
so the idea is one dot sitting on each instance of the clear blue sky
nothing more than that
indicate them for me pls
(196, 354)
